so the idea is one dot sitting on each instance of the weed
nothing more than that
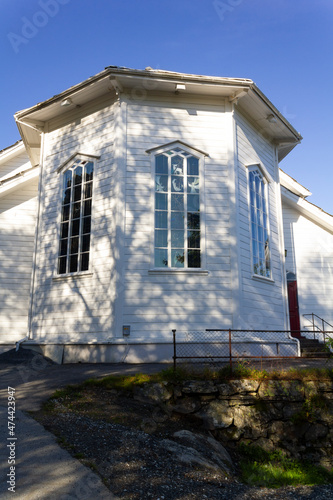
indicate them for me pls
(273, 469)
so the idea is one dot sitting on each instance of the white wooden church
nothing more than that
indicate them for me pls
(141, 201)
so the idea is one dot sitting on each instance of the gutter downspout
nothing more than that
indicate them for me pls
(33, 275)
(19, 342)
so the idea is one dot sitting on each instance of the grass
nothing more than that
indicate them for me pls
(183, 373)
(274, 470)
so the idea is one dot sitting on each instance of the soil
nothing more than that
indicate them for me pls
(120, 438)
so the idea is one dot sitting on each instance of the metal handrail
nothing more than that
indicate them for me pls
(323, 322)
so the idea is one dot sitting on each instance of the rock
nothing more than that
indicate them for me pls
(316, 432)
(281, 390)
(207, 446)
(153, 393)
(245, 386)
(217, 415)
(190, 456)
(186, 406)
(199, 387)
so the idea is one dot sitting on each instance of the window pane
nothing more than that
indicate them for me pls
(177, 202)
(86, 225)
(192, 166)
(75, 227)
(73, 259)
(177, 220)
(78, 176)
(194, 259)
(193, 185)
(193, 239)
(66, 197)
(161, 201)
(64, 230)
(177, 239)
(161, 257)
(87, 207)
(85, 243)
(74, 246)
(89, 169)
(260, 234)
(177, 184)
(63, 247)
(65, 212)
(161, 238)
(77, 193)
(67, 179)
(177, 165)
(76, 210)
(193, 221)
(193, 203)
(161, 164)
(161, 183)
(84, 265)
(88, 190)
(177, 258)
(161, 220)
(62, 265)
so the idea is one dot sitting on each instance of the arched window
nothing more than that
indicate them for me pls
(177, 230)
(260, 239)
(75, 225)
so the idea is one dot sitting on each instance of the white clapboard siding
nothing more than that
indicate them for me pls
(17, 231)
(310, 256)
(252, 148)
(154, 304)
(74, 308)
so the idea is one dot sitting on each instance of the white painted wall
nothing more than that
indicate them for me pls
(310, 257)
(78, 308)
(17, 231)
(121, 290)
(263, 302)
(155, 304)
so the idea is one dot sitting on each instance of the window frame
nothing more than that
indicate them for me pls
(267, 179)
(200, 155)
(62, 169)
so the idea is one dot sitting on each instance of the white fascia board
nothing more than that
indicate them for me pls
(293, 186)
(11, 152)
(309, 210)
(16, 181)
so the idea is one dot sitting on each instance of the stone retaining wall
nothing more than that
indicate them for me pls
(295, 416)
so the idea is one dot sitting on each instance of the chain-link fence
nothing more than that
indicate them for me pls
(227, 346)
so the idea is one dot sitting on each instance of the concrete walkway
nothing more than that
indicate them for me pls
(43, 470)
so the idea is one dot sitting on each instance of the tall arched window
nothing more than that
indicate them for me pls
(261, 255)
(75, 225)
(177, 238)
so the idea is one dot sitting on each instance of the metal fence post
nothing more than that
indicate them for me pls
(230, 353)
(174, 349)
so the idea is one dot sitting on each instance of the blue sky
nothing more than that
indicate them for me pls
(284, 46)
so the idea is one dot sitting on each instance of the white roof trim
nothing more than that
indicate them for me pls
(75, 155)
(293, 186)
(309, 210)
(8, 153)
(17, 180)
(174, 144)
